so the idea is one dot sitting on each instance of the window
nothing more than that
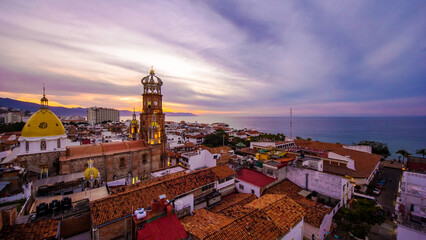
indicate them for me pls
(27, 146)
(215, 156)
(144, 159)
(43, 145)
(252, 191)
(58, 143)
(270, 172)
(205, 188)
(241, 187)
(222, 180)
(230, 178)
(122, 163)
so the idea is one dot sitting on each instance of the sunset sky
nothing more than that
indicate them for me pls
(243, 58)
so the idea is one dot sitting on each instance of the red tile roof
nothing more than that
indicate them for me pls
(232, 200)
(254, 177)
(167, 227)
(45, 229)
(364, 162)
(121, 204)
(270, 220)
(76, 152)
(314, 212)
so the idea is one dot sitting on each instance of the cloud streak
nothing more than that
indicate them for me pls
(324, 58)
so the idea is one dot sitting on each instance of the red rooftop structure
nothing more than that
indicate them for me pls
(158, 223)
(254, 177)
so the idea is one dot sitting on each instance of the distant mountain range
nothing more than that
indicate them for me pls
(63, 111)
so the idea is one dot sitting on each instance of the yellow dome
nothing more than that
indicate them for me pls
(43, 123)
(90, 172)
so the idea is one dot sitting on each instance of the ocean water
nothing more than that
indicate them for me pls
(398, 132)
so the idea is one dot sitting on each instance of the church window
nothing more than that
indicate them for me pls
(144, 159)
(58, 143)
(122, 163)
(43, 145)
(27, 146)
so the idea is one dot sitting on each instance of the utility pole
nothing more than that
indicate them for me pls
(291, 123)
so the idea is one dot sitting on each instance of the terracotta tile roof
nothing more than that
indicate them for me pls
(189, 144)
(232, 200)
(268, 217)
(282, 210)
(235, 211)
(223, 171)
(254, 225)
(222, 149)
(364, 162)
(204, 223)
(249, 151)
(119, 189)
(314, 212)
(318, 145)
(76, 152)
(122, 204)
(252, 132)
(45, 229)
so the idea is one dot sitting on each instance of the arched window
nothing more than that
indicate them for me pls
(27, 146)
(58, 143)
(43, 145)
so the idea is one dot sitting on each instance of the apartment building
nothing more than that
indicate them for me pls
(99, 115)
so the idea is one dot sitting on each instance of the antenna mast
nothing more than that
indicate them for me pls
(291, 123)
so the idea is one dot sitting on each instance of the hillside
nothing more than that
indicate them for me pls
(63, 111)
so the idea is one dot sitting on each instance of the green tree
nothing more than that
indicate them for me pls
(404, 153)
(377, 148)
(421, 152)
(358, 220)
(11, 127)
(269, 136)
(216, 139)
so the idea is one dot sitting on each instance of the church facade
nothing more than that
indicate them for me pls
(43, 143)
(152, 118)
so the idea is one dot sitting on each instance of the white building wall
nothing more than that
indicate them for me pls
(361, 148)
(34, 144)
(326, 184)
(350, 162)
(405, 233)
(295, 233)
(248, 188)
(262, 144)
(196, 161)
(308, 230)
(187, 200)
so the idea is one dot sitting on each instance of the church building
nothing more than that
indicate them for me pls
(42, 139)
(152, 118)
(137, 158)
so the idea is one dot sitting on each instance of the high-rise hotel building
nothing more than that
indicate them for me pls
(99, 115)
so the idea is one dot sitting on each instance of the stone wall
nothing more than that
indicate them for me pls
(117, 230)
(34, 161)
(118, 164)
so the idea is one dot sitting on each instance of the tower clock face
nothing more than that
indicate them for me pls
(155, 103)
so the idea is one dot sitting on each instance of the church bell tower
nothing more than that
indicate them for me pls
(152, 118)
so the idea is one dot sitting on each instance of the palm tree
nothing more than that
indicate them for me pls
(404, 153)
(422, 152)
